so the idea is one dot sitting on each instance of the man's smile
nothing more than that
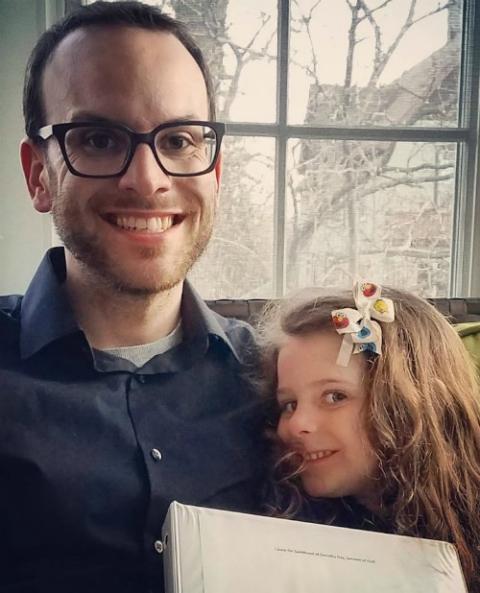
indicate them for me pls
(152, 224)
(146, 223)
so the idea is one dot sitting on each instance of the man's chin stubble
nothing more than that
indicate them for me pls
(101, 267)
(102, 272)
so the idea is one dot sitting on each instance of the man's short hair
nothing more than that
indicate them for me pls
(129, 14)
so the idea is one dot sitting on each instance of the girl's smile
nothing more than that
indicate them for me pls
(314, 456)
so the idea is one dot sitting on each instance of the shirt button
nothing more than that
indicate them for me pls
(155, 453)
(141, 379)
(158, 545)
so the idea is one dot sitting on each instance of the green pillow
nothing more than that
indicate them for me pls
(470, 334)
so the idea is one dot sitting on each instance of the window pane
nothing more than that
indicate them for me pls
(238, 262)
(239, 42)
(380, 210)
(396, 63)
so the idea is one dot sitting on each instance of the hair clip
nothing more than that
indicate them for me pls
(360, 332)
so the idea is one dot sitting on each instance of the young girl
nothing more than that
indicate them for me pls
(377, 422)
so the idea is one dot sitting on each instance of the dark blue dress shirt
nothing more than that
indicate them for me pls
(93, 450)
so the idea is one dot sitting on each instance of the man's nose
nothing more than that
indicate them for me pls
(144, 175)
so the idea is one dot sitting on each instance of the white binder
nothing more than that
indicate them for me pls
(212, 551)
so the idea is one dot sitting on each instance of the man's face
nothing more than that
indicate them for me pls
(143, 231)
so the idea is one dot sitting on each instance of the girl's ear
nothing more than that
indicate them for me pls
(32, 158)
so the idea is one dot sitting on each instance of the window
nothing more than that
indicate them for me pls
(351, 143)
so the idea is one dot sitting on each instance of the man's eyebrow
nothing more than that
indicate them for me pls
(87, 116)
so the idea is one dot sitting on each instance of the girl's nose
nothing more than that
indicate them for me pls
(303, 421)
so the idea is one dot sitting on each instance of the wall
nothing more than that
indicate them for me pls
(24, 233)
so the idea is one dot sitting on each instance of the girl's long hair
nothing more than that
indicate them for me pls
(422, 418)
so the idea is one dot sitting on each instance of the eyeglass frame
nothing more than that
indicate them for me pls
(59, 131)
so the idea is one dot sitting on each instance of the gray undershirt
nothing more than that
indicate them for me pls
(141, 354)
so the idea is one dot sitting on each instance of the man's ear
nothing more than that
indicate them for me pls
(33, 164)
(218, 169)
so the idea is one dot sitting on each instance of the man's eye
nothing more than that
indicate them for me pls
(177, 142)
(95, 141)
(334, 397)
(100, 140)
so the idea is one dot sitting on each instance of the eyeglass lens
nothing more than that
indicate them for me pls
(183, 149)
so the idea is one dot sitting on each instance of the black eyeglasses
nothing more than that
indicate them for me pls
(181, 149)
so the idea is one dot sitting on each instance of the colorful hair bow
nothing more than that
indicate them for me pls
(360, 332)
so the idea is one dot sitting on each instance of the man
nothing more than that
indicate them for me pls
(119, 390)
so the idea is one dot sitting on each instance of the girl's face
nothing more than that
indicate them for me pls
(321, 417)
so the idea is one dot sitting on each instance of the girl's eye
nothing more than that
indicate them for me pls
(334, 397)
(287, 407)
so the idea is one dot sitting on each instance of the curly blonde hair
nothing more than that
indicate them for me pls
(422, 417)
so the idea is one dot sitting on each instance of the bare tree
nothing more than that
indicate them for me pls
(340, 175)
(240, 253)
(333, 183)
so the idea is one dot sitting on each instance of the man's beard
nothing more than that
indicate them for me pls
(100, 263)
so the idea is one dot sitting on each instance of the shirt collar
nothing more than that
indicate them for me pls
(198, 320)
(46, 314)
